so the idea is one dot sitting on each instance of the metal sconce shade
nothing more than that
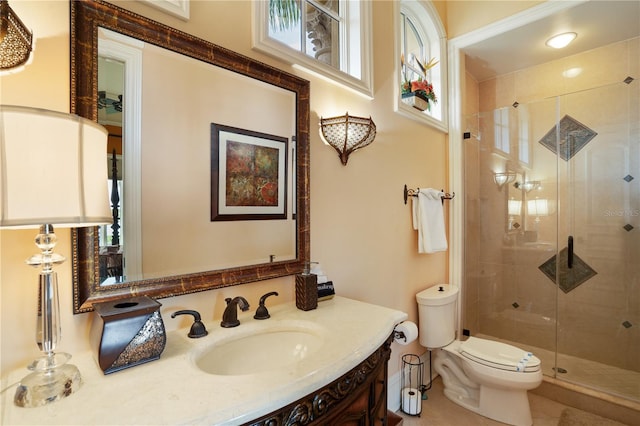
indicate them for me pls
(528, 186)
(347, 133)
(502, 179)
(15, 38)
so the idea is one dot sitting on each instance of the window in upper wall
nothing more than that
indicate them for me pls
(329, 37)
(501, 130)
(422, 64)
(524, 147)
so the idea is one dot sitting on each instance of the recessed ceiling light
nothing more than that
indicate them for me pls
(572, 72)
(561, 40)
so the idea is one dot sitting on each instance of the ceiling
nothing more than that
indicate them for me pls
(597, 23)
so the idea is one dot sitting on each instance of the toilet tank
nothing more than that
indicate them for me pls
(437, 315)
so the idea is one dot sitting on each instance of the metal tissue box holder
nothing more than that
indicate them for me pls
(127, 333)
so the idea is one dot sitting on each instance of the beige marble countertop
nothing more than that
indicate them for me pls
(172, 390)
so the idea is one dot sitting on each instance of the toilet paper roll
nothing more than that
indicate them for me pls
(405, 332)
(411, 401)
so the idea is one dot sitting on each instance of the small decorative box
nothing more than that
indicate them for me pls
(326, 291)
(126, 333)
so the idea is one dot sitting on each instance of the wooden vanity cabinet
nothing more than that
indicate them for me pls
(359, 398)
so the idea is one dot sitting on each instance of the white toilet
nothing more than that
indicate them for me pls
(484, 376)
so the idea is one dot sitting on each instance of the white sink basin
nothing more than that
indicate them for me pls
(265, 350)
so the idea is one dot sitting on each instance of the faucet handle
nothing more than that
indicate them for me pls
(262, 312)
(197, 328)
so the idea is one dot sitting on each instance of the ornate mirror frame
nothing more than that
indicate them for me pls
(86, 17)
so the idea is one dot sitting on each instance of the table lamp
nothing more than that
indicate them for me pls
(538, 207)
(53, 171)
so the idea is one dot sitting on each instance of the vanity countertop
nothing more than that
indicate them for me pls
(172, 390)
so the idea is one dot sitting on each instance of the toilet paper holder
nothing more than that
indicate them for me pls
(405, 332)
(399, 335)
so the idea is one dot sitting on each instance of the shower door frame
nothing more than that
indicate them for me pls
(456, 143)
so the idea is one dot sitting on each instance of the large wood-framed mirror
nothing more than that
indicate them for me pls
(90, 20)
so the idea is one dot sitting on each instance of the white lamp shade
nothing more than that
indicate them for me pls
(514, 207)
(538, 207)
(53, 169)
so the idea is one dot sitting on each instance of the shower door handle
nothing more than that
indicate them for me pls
(570, 252)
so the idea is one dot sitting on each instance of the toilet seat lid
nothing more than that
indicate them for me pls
(499, 355)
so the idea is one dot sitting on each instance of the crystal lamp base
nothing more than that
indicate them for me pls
(52, 380)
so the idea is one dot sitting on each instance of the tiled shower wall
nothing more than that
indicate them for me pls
(597, 200)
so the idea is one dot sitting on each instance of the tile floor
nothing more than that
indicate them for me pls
(437, 410)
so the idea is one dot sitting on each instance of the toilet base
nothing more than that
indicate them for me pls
(509, 406)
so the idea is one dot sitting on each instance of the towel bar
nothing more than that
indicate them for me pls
(414, 193)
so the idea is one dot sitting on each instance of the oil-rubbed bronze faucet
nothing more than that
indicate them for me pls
(230, 315)
(197, 328)
(262, 312)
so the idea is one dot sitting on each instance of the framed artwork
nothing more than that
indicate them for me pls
(179, 8)
(248, 174)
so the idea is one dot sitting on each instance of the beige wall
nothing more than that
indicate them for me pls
(360, 227)
(463, 16)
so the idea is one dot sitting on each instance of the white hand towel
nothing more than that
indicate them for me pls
(428, 220)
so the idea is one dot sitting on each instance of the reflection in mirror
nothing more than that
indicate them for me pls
(175, 165)
(514, 209)
(164, 242)
(110, 105)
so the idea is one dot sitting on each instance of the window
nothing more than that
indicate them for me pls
(328, 37)
(414, 50)
(421, 40)
(511, 141)
(501, 130)
(524, 147)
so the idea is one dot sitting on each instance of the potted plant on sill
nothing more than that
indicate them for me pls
(419, 92)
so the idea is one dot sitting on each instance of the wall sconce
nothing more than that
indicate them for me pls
(53, 172)
(15, 39)
(347, 133)
(501, 179)
(528, 186)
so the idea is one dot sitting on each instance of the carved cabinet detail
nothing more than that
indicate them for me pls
(359, 397)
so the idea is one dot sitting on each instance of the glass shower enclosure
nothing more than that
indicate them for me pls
(552, 233)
